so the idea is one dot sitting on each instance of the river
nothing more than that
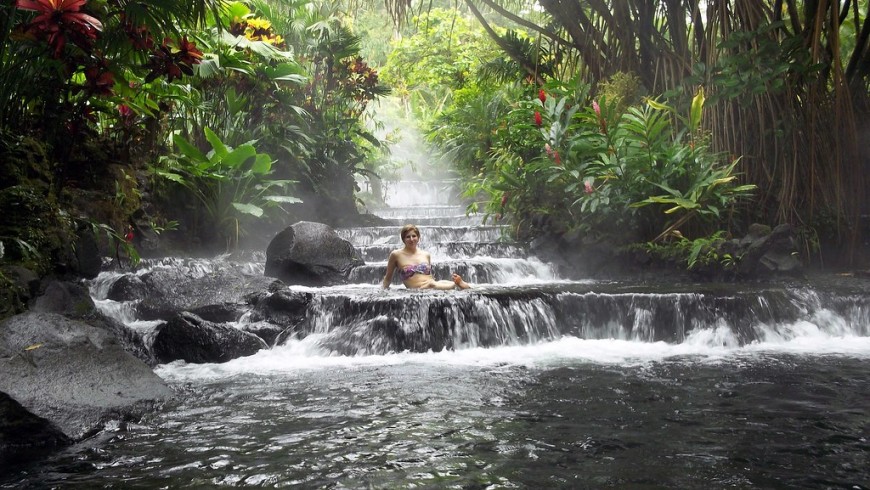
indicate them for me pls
(541, 382)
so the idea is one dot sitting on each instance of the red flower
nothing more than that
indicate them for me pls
(542, 95)
(557, 157)
(601, 122)
(173, 62)
(587, 187)
(59, 20)
(538, 119)
(98, 80)
(187, 54)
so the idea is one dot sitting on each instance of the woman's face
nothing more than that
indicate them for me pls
(411, 238)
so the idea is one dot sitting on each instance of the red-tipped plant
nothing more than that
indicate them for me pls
(61, 20)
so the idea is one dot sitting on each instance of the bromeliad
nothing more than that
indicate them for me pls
(61, 20)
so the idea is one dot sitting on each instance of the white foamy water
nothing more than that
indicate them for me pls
(714, 345)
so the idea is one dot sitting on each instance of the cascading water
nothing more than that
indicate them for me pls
(527, 380)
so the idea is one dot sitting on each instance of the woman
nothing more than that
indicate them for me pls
(415, 265)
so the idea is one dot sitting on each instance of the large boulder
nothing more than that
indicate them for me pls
(24, 435)
(70, 299)
(189, 338)
(765, 253)
(72, 374)
(173, 290)
(311, 254)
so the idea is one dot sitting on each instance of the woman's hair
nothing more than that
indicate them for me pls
(406, 229)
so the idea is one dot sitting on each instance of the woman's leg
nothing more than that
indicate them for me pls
(457, 280)
(443, 285)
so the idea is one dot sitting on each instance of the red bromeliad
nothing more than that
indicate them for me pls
(59, 20)
(99, 80)
(173, 62)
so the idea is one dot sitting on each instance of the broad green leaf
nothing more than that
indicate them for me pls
(248, 209)
(262, 164)
(283, 199)
(238, 156)
(209, 66)
(220, 149)
(188, 149)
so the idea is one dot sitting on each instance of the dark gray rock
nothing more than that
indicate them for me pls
(64, 298)
(190, 338)
(762, 255)
(220, 313)
(88, 258)
(128, 287)
(284, 308)
(23, 435)
(25, 279)
(172, 291)
(73, 374)
(130, 339)
(269, 332)
(311, 254)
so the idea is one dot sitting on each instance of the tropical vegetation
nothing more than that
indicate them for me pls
(211, 123)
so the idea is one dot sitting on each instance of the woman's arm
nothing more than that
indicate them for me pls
(391, 268)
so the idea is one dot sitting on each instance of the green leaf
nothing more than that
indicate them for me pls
(172, 176)
(697, 109)
(188, 149)
(238, 156)
(283, 199)
(220, 149)
(251, 209)
(658, 105)
(262, 164)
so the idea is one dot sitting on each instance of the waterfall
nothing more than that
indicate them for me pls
(517, 299)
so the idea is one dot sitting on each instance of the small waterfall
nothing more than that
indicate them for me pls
(516, 298)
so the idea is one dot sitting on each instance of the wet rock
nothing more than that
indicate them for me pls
(75, 375)
(379, 335)
(65, 298)
(130, 339)
(763, 253)
(25, 436)
(128, 287)
(88, 259)
(176, 290)
(220, 313)
(269, 332)
(285, 308)
(190, 338)
(311, 254)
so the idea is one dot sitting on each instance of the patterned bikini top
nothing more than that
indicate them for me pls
(409, 270)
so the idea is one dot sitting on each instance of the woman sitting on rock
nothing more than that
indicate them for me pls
(415, 265)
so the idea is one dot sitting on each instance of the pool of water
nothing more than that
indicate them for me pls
(571, 413)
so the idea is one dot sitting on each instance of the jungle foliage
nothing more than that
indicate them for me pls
(714, 97)
(224, 114)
